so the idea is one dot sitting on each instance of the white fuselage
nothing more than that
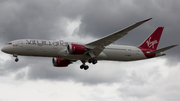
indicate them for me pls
(49, 48)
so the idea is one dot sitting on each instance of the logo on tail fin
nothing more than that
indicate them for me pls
(151, 43)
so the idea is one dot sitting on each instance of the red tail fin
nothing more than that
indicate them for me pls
(153, 40)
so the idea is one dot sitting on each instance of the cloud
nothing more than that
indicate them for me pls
(85, 21)
(107, 17)
(164, 87)
(41, 19)
(30, 19)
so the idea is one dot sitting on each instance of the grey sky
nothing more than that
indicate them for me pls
(48, 19)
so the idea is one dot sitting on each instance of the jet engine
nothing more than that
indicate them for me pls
(76, 49)
(57, 62)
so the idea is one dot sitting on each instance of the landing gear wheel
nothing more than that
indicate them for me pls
(94, 61)
(86, 67)
(15, 55)
(16, 59)
(82, 66)
(90, 60)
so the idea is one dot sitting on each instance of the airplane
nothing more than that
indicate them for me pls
(64, 53)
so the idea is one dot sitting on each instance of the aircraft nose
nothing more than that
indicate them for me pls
(3, 49)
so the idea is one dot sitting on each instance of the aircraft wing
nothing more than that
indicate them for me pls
(98, 46)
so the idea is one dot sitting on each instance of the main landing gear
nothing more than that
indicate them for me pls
(84, 66)
(92, 60)
(15, 55)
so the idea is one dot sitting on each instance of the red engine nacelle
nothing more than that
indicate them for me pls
(76, 49)
(57, 62)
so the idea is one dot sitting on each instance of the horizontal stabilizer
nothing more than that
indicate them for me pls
(162, 49)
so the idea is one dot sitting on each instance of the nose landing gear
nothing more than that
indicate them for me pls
(15, 55)
(16, 59)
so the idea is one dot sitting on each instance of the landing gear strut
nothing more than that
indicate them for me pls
(15, 55)
(84, 66)
(91, 60)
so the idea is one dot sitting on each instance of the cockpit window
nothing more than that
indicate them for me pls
(9, 43)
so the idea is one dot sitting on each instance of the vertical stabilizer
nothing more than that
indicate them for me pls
(151, 43)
